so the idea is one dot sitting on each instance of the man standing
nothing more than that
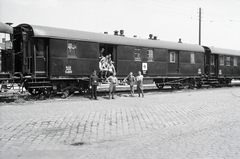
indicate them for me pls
(140, 83)
(113, 83)
(131, 79)
(93, 83)
(102, 67)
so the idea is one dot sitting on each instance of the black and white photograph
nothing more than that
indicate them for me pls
(119, 79)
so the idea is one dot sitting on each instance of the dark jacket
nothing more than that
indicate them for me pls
(93, 80)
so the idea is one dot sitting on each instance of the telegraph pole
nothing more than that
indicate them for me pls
(200, 26)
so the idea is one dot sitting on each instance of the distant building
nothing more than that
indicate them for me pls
(6, 45)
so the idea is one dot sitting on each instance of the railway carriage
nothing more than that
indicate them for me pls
(54, 59)
(224, 64)
(47, 60)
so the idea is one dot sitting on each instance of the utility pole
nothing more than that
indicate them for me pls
(200, 26)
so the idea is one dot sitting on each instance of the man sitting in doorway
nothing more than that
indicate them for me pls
(111, 68)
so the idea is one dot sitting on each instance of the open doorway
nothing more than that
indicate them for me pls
(107, 60)
(107, 50)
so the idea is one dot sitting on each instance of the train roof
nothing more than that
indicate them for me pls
(59, 33)
(4, 28)
(222, 51)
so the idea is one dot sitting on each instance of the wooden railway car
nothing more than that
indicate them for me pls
(223, 64)
(53, 59)
(48, 59)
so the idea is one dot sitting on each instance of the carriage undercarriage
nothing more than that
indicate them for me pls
(191, 82)
(66, 87)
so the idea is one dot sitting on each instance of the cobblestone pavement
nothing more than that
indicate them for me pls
(183, 124)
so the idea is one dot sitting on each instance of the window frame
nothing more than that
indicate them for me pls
(150, 53)
(192, 58)
(221, 60)
(172, 57)
(39, 47)
(6, 41)
(137, 54)
(73, 55)
(235, 61)
(212, 60)
(228, 60)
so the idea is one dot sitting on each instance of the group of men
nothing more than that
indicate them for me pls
(130, 79)
(106, 66)
(108, 74)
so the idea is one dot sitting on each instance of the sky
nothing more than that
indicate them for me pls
(169, 20)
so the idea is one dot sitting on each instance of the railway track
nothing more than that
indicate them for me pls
(15, 94)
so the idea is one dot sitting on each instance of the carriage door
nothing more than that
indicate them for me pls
(109, 51)
(41, 57)
(213, 64)
(173, 63)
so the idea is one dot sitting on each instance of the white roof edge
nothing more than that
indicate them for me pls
(223, 51)
(4, 28)
(44, 31)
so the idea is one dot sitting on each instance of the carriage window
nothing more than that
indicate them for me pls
(150, 55)
(228, 61)
(222, 60)
(172, 57)
(235, 62)
(5, 41)
(137, 54)
(39, 46)
(212, 62)
(192, 58)
(72, 50)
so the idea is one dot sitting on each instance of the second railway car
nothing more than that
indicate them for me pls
(222, 65)
(52, 59)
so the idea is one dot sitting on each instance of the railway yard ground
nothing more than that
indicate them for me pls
(183, 124)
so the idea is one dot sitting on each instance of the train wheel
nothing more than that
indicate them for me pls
(34, 91)
(47, 92)
(191, 84)
(199, 85)
(65, 94)
(159, 86)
